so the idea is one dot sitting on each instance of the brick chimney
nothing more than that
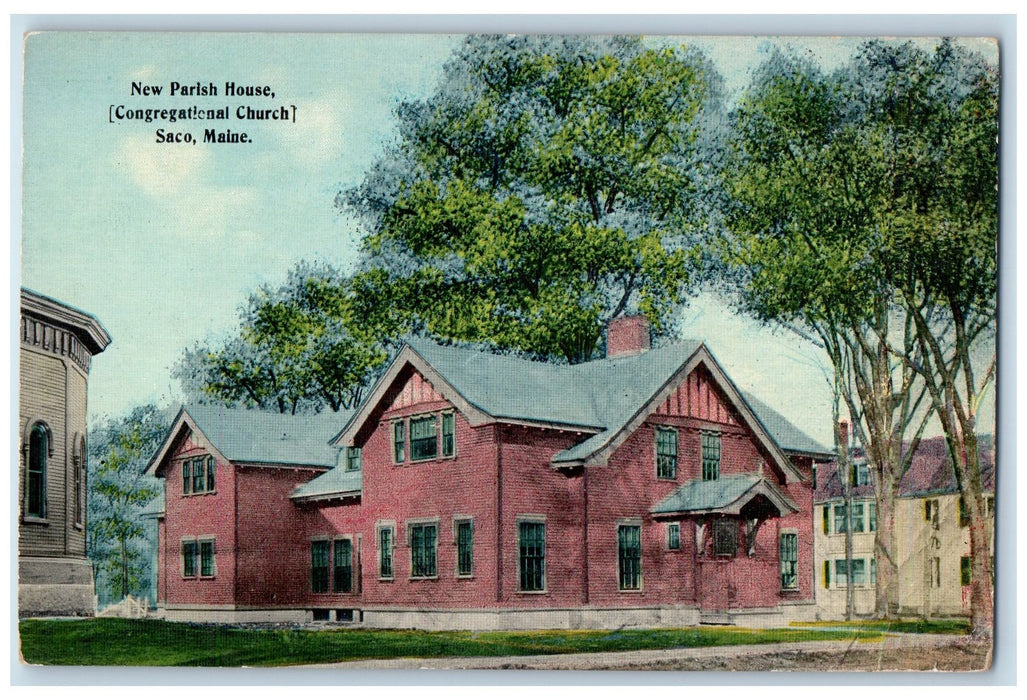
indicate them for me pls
(627, 335)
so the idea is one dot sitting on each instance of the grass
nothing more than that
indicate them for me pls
(116, 642)
(917, 626)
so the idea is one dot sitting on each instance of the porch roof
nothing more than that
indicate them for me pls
(726, 495)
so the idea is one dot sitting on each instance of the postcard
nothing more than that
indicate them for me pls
(541, 351)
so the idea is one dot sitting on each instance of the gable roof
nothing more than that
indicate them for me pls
(603, 397)
(252, 436)
(728, 494)
(930, 473)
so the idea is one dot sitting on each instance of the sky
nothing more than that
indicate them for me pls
(164, 242)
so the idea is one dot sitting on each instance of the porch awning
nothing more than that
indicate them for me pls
(728, 495)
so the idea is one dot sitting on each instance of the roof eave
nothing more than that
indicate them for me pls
(333, 496)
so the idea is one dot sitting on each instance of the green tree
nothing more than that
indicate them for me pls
(821, 171)
(940, 252)
(550, 185)
(119, 543)
(307, 345)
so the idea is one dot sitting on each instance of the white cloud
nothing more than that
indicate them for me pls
(317, 136)
(161, 169)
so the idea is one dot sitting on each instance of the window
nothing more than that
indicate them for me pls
(210, 473)
(423, 442)
(725, 533)
(841, 573)
(965, 571)
(710, 456)
(189, 559)
(858, 521)
(353, 459)
(422, 543)
(674, 536)
(386, 542)
(840, 518)
(343, 579)
(629, 557)
(532, 555)
(448, 435)
(826, 510)
(872, 524)
(936, 572)
(39, 451)
(858, 571)
(964, 513)
(788, 553)
(931, 512)
(79, 461)
(464, 548)
(859, 474)
(207, 558)
(989, 505)
(398, 442)
(319, 566)
(198, 475)
(873, 572)
(666, 453)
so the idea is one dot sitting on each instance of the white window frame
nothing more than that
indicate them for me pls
(667, 541)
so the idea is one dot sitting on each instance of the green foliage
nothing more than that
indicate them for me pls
(548, 186)
(114, 642)
(119, 542)
(311, 343)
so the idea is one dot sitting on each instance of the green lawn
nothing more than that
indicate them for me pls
(108, 641)
(918, 626)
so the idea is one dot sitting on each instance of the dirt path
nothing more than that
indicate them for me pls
(906, 652)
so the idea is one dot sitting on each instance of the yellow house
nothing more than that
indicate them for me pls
(933, 543)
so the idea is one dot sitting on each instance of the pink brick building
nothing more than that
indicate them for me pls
(472, 490)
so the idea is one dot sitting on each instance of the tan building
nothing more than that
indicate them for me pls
(57, 346)
(933, 547)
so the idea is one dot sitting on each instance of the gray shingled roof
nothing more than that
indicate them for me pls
(334, 481)
(790, 438)
(263, 437)
(727, 494)
(602, 394)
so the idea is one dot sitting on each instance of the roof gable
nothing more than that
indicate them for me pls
(250, 436)
(608, 398)
(727, 495)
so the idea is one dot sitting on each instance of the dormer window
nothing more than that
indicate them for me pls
(353, 458)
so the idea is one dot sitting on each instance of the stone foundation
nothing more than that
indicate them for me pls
(55, 587)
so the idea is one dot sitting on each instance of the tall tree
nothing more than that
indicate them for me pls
(309, 344)
(118, 540)
(550, 185)
(940, 252)
(817, 167)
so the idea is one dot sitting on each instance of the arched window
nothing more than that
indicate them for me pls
(39, 450)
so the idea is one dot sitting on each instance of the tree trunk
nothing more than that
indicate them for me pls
(982, 613)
